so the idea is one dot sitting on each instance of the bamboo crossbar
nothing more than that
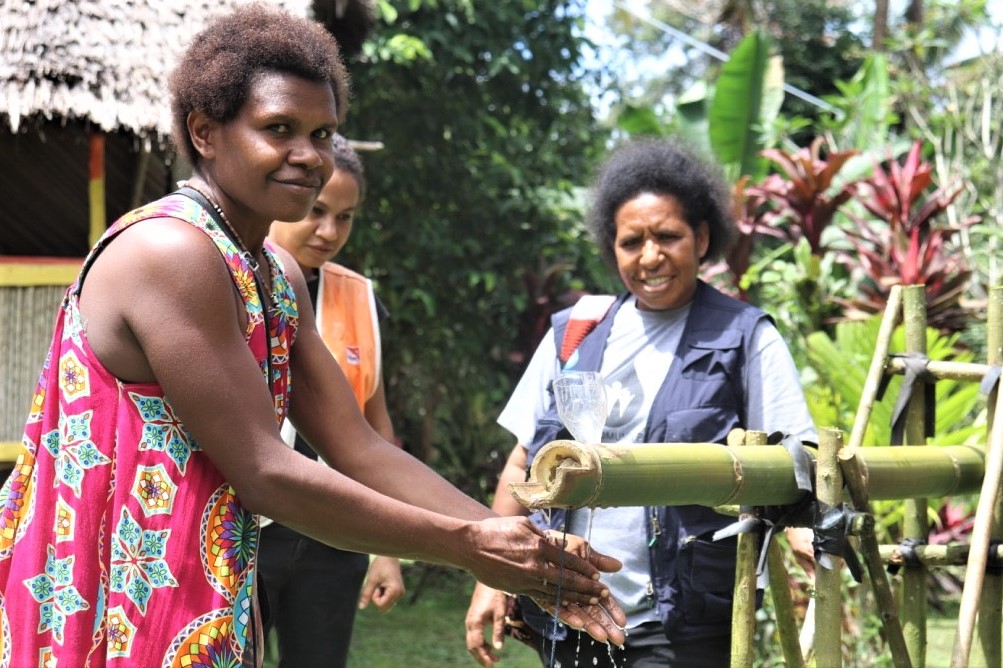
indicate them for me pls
(944, 369)
(568, 474)
(955, 554)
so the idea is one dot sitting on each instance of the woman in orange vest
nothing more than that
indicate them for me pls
(313, 589)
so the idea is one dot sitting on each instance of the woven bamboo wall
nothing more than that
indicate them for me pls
(27, 317)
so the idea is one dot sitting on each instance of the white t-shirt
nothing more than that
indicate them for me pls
(639, 350)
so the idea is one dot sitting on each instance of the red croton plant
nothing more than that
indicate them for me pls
(805, 198)
(900, 244)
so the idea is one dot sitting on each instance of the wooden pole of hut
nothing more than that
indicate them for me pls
(915, 525)
(96, 186)
(828, 580)
(986, 520)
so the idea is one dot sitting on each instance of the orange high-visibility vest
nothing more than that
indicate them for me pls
(348, 324)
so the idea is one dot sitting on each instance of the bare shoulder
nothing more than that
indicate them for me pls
(150, 279)
(158, 263)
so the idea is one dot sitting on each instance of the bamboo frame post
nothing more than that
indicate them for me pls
(987, 651)
(915, 524)
(853, 473)
(828, 581)
(783, 607)
(743, 617)
(869, 393)
(857, 484)
(985, 521)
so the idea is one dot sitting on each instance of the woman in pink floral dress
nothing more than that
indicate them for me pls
(128, 528)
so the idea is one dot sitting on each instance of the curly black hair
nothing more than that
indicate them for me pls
(215, 72)
(347, 160)
(660, 167)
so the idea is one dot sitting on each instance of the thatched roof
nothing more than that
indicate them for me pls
(104, 61)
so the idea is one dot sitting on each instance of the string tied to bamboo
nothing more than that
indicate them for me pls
(990, 379)
(833, 527)
(766, 520)
(910, 556)
(917, 376)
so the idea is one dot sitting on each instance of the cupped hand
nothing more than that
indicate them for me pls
(485, 613)
(384, 584)
(604, 621)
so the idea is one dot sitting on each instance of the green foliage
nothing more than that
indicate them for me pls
(746, 99)
(841, 365)
(864, 106)
(474, 193)
(819, 46)
(796, 288)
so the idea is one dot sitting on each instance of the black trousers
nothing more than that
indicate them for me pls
(646, 647)
(310, 592)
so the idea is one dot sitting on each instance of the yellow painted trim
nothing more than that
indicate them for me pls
(9, 450)
(51, 272)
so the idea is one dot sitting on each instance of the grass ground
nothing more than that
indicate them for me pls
(429, 633)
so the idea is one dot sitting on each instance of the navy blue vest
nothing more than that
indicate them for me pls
(700, 401)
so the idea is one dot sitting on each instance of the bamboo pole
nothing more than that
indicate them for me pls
(915, 525)
(853, 473)
(945, 369)
(567, 474)
(937, 556)
(828, 579)
(985, 519)
(988, 650)
(783, 607)
(869, 393)
(743, 618)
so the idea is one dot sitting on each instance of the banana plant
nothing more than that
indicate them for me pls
(727, 118)
(747, 99)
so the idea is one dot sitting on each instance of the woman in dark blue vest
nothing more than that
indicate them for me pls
(681, 363)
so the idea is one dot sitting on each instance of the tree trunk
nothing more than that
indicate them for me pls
(880, 25)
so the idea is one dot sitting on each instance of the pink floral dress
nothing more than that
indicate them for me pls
(120, 542)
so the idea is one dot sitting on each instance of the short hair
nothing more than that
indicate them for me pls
(215, 72)
(660, 167)
(347, 160)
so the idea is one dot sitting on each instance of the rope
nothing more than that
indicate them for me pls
(915, 371)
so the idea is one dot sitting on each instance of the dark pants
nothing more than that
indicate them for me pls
(646, 647)
(310, 592)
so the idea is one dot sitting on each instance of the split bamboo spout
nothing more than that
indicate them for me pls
(568, 474)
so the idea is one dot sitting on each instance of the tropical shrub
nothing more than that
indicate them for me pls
(902, 245)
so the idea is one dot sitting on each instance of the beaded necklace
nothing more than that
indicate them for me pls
(262, 286)
(252, 261)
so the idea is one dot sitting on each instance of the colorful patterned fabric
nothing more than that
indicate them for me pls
(120, 542)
